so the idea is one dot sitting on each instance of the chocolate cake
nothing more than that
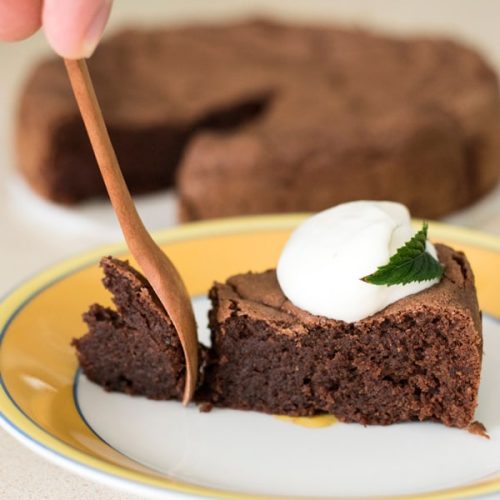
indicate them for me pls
(418, 359)
(262, 117)
(134, 349)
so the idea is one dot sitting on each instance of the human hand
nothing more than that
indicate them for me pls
(73, 27)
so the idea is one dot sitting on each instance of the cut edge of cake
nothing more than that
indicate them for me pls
(133, 348)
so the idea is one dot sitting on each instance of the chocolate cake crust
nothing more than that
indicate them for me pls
(418, 359)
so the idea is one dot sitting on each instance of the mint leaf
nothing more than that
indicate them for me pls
(410, 263)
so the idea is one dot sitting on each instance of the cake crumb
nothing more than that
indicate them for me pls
(479, 429)
(205, 407)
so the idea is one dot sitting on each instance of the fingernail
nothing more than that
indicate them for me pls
(96, 27)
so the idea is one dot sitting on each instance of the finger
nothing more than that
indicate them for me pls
(74, 27)
(19, 18)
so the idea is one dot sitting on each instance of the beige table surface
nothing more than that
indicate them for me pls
(34, 234)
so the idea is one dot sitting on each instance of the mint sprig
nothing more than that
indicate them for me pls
(410, 263)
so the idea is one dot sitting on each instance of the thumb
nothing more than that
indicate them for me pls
(74, 27)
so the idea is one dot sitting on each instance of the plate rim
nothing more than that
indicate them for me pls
(32, 435)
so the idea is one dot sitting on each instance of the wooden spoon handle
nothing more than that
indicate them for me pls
(119, 194)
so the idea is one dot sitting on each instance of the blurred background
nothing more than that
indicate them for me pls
(60, 230)
(35, 232)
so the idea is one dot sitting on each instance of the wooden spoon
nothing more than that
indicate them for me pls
(156, 266)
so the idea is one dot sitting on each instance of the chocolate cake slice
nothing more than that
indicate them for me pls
(134, 349)
(418, 359)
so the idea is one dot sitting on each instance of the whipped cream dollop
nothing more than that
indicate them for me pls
(321, 266)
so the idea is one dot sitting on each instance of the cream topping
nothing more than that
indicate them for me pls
(322, 263)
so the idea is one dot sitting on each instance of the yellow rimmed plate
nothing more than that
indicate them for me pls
(161, 448)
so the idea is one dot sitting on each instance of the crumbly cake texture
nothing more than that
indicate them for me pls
(418, 359)
(263, 117)
(135, 348)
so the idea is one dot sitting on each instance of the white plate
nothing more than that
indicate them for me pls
(258, 454)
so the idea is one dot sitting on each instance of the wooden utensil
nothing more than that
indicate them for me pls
(156, 266)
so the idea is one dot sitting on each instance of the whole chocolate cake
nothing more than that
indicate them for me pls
(262, 117)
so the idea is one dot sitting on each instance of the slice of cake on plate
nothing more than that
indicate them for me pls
(418, 359)
(363, 318)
